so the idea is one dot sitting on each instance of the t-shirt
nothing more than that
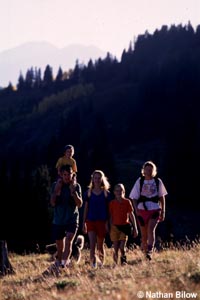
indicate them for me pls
(62, 161)
(120, 211)
(66, 210)
(97, 206)
(149, 190)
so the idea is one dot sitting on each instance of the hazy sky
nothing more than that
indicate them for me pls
(107, 24)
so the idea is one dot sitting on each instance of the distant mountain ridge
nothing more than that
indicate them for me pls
(39, 54)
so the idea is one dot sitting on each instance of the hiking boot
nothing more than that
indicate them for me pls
(94, 263)
(65, 263)
(57, 264)
(100, 265)
(149, 252)
(149, 255)
(123, 260)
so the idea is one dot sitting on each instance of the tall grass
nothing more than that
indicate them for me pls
(172, 274)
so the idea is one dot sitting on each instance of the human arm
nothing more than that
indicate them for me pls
(74, 166)
(134, 195)
(162, 206)
(110, 219)
(85, 211)
(134, 223)
(56, 190)
(78, 200)
(162, 192)
(76, 194)
(134, 202)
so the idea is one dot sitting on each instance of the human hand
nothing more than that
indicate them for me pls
(162, 216)
(135, 232)
(84, 229)
(72, 188)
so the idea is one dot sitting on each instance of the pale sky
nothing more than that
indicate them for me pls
(107, 24)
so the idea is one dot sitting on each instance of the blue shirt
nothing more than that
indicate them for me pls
(66, 210)
(97, 206)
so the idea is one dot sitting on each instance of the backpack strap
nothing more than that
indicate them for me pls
(142, 181)
(143, 199)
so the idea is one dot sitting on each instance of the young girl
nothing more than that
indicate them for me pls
(95, 215)
(121, 214)
(149, 203)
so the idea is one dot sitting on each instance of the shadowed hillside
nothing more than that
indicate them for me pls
(117, 114)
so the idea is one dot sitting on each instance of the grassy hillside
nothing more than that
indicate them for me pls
(172, 274)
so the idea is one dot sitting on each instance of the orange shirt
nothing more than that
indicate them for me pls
(119, 211)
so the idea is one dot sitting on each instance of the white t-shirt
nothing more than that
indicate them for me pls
(149, 190)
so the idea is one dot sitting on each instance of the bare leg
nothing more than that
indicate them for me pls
(143, 231)
(152, 224)
(122, 247)
(92, 239)
(123, 252)
(115, 252)
(100, 247)
(59, 246)
(68, 246)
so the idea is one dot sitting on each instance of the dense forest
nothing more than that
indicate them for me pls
(117, 114)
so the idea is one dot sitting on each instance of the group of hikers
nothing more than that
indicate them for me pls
(104, 212)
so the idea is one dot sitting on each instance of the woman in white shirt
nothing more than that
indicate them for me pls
(148, 196)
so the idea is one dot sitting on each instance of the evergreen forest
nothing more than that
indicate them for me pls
(117, 114)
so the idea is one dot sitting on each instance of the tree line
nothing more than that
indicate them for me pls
(117, 114)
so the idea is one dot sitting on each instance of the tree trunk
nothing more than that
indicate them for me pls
(5, 265)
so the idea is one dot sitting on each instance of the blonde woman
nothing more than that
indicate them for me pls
(95, 215)
(148, 195)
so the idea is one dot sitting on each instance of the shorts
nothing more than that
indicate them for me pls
(117, 235)
(99, 227)
(60, 231)
(146, 215)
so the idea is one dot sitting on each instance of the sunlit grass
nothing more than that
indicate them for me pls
(169, 271)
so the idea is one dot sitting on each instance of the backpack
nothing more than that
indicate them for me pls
(142, 181)
(143, 199)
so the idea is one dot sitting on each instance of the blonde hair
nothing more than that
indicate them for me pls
(151, 164)
(69, 147)
(120, 185)
(104, 180)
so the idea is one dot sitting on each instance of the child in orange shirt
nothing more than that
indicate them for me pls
(121, 213)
